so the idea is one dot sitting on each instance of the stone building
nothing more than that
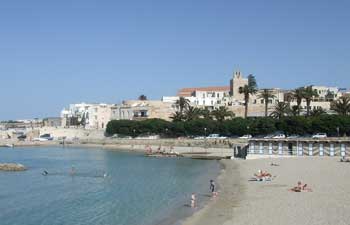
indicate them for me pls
(52, 122)
(140, 110)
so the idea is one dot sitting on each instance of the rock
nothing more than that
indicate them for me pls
(12, 167)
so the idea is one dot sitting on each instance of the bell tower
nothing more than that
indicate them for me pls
(236, 83)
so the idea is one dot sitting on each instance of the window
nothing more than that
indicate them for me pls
(203, 102)
(218, 95)
(262, 101)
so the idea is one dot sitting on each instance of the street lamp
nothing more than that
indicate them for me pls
(205, 131)
(134, 132)
(166, 132)
(338, 131)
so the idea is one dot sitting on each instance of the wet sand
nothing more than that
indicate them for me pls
(257, 203)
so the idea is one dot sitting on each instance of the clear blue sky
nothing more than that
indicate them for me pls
(53, 53)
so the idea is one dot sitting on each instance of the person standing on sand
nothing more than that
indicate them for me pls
(193, 200)
(212, 188)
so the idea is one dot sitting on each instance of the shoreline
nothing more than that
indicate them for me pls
(198, 151)
(217, 211)
(260, 203)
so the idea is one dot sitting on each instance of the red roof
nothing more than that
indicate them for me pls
(186, 92)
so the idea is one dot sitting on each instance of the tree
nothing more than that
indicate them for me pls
(330, 95)
(83, 120)
(298, 94)
(282, 109)
(247, 90)
(318, 112)
(295, 110)
(192, 113)
(222, 113)
(206, 114)
(266, 94)
(309, 93)
(342, 105)
(177, 117)
(289, 96)
(182, 103)
(143, 98)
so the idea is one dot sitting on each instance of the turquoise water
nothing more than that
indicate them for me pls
(136, 191)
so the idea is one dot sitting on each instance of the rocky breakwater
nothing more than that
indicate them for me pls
(12, 167)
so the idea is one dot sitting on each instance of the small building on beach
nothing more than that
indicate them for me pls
(300, 147)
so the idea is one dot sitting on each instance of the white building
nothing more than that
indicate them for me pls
(326, 95)
(90, 116)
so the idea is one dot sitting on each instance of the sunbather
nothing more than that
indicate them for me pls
(297, 188)
(344, 159)
(262, 174)
(305, 188)
(300, 187)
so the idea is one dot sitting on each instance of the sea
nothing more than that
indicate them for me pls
(92, 186)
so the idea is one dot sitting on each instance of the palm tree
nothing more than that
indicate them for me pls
(192, 113)
(177, 117)
(222, 113)
(143, 98)
(298, 94)
(309, 93)
(342, 105)
(247, 90)
(206, 114)
(282, 109)
(266, 94)
(182, 103)
(288, 97)
(295, 110)
(318, 112)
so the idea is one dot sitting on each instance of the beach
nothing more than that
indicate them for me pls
(245, 202)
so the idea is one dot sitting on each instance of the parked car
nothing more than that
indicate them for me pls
(269, 136)
(247, 136)
(319, 135)
(148, 137)
(22, 137)
(40, 139)
(279, 136)
(216, 136)
(199, 138)
(292, 136)
(47, 137)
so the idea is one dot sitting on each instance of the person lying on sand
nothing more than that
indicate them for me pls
(344, 159)
(274, 164)
(262, 174)
(300, 187)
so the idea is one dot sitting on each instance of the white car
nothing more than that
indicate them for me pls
(40, 139)
(319, 135)
(279, 136)
(247, 136)
(199, 138)
(216, 136)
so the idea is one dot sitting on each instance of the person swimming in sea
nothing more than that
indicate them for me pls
(45, 173)
(72, 171)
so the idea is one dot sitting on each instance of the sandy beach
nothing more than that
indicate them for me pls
(257, 203)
